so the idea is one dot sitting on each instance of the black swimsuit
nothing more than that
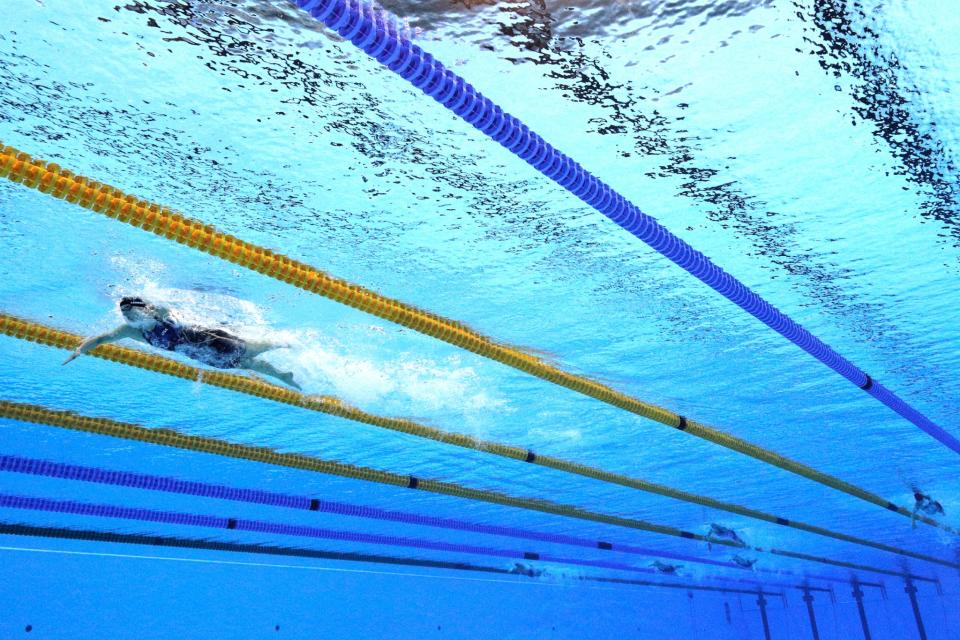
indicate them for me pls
(213, 347)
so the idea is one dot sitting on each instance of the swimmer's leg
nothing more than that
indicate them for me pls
(913, 518)
(267, 369)
(253, 348)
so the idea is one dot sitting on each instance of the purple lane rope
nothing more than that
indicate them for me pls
(374, 33)
(32, 466)
(305, 531)
(64, 471)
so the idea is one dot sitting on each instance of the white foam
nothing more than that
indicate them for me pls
(405, 382)
(556, 435)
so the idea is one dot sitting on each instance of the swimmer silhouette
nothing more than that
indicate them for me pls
(526, 570)
(664, 567)
(925, 504)
(720, 532)
(159, 327)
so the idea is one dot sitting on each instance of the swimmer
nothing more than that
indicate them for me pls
(158, 327)
(663, 567)
(926, 504)
(746, 563)
(719, 532)
(525, 570)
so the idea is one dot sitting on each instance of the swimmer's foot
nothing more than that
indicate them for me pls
(288, 378)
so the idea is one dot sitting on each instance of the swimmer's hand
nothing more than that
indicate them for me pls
(123, 331)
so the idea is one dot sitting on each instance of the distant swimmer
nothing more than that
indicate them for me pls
(664, 567)
(719, 532)
(525, 570)
(159, 327)
(924, 504)
(746, 563)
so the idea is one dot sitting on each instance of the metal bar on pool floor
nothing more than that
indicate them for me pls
(808, 599)
(911, 591)
(762, 603)
(858, 596)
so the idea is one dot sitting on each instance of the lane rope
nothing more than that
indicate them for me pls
(65, 533)
(172, 438)
(63, 471)
(51, 179)
(42, 334)
(370, 30)
(74, 507)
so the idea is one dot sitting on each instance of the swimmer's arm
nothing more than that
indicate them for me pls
(121, 332)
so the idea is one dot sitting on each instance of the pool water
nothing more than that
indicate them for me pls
(809, 148)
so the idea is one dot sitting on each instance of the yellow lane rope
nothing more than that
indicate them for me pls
(51, 179)
(172, 438)
(34, 332)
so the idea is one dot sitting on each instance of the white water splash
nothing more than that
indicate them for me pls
(352, 362)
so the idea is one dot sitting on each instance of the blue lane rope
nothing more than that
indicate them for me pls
(374, 33)
(260, 526)
(49, 469)
(303, 531)
(206, 544)
(64, 471)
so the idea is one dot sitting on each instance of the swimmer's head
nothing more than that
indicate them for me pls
(137, 311)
